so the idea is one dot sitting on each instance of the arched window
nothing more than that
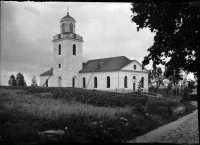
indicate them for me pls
(59, 65)
(95, 82)
(59, 82)
(46, 82)
(108, 82)
(74, 49)
(142, 82)
(134, 77)
(125, 82)
(134, 67)
(63, 28)
(71, 28)
(84, 82)
(73, 82)
(59, 49)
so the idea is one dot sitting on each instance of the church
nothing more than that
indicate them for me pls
(116, 74)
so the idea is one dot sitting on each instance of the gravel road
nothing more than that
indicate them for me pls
(185, 130)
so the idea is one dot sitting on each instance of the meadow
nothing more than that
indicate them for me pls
(26, 111)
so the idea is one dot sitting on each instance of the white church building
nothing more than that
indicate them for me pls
(118, 74)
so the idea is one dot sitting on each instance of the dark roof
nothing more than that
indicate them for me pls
(106, 64)
(68, 16)
(47, 73)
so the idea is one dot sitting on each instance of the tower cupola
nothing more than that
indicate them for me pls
(67, 24)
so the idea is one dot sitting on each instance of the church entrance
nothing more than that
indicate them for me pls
(74, 82)
(133, 86)
(46, 82)
(59, 82)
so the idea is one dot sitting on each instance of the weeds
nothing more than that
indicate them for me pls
(23, 115)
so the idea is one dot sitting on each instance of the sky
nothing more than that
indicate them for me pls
(27, 30)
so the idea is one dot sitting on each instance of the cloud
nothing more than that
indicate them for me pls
(32, 10)
(28, 29)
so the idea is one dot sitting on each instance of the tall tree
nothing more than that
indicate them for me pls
(191, 84)
(12, 81)
(157, 77)
(168, 85)
(34, 81)
(176, 26)
(150, 76)
(20, 80)
(174, 78)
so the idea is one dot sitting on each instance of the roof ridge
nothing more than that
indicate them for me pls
(106, 58)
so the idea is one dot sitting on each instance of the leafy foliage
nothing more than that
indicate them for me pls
(12, 81)
(34, 81)
(186, 94)
(162, 104)
(191, 85)
(156, 77)
(176, 28)
(168, 85)
(20, 80)
(27, 124)
(173, 78)
(93, 97)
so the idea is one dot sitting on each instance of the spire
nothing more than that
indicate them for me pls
(68, 10)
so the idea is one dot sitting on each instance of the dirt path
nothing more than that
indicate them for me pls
(183, 131)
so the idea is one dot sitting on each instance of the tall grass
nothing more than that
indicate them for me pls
(23, 115)
(50, 108)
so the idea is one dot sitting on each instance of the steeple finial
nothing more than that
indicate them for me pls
(68, 10)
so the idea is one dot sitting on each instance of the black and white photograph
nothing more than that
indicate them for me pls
(99, 72)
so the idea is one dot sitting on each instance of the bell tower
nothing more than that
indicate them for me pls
(67, 54)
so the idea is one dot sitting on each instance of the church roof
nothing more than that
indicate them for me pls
(68, 16)
(106, 64)
(47, 73)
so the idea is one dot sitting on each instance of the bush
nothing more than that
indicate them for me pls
(163, 104)
(93, 97)
(186, 94)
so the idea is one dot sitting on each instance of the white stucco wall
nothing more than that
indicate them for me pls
(130, 79)
(116, 80)
(101, 80)
(43, 80)
(70, 64)
(131, 67)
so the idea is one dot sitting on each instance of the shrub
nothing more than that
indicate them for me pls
(93, 97)
(186, 94)
(164, 104)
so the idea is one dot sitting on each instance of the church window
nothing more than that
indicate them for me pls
(134, 77)
(63, 28)
(108, 82)
(59, 65)
(95, 82)
(125, 82)
(59, 49)
(46, 82)
(71, 28)
(74, 49)
(73, 82)
(134, 67)
(84, 82)
(142, 82)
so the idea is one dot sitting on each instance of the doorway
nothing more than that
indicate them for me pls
(46, 82)
(74, 82)
(59, 82)
(133, 86)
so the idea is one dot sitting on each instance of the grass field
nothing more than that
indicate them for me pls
(23, 115)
